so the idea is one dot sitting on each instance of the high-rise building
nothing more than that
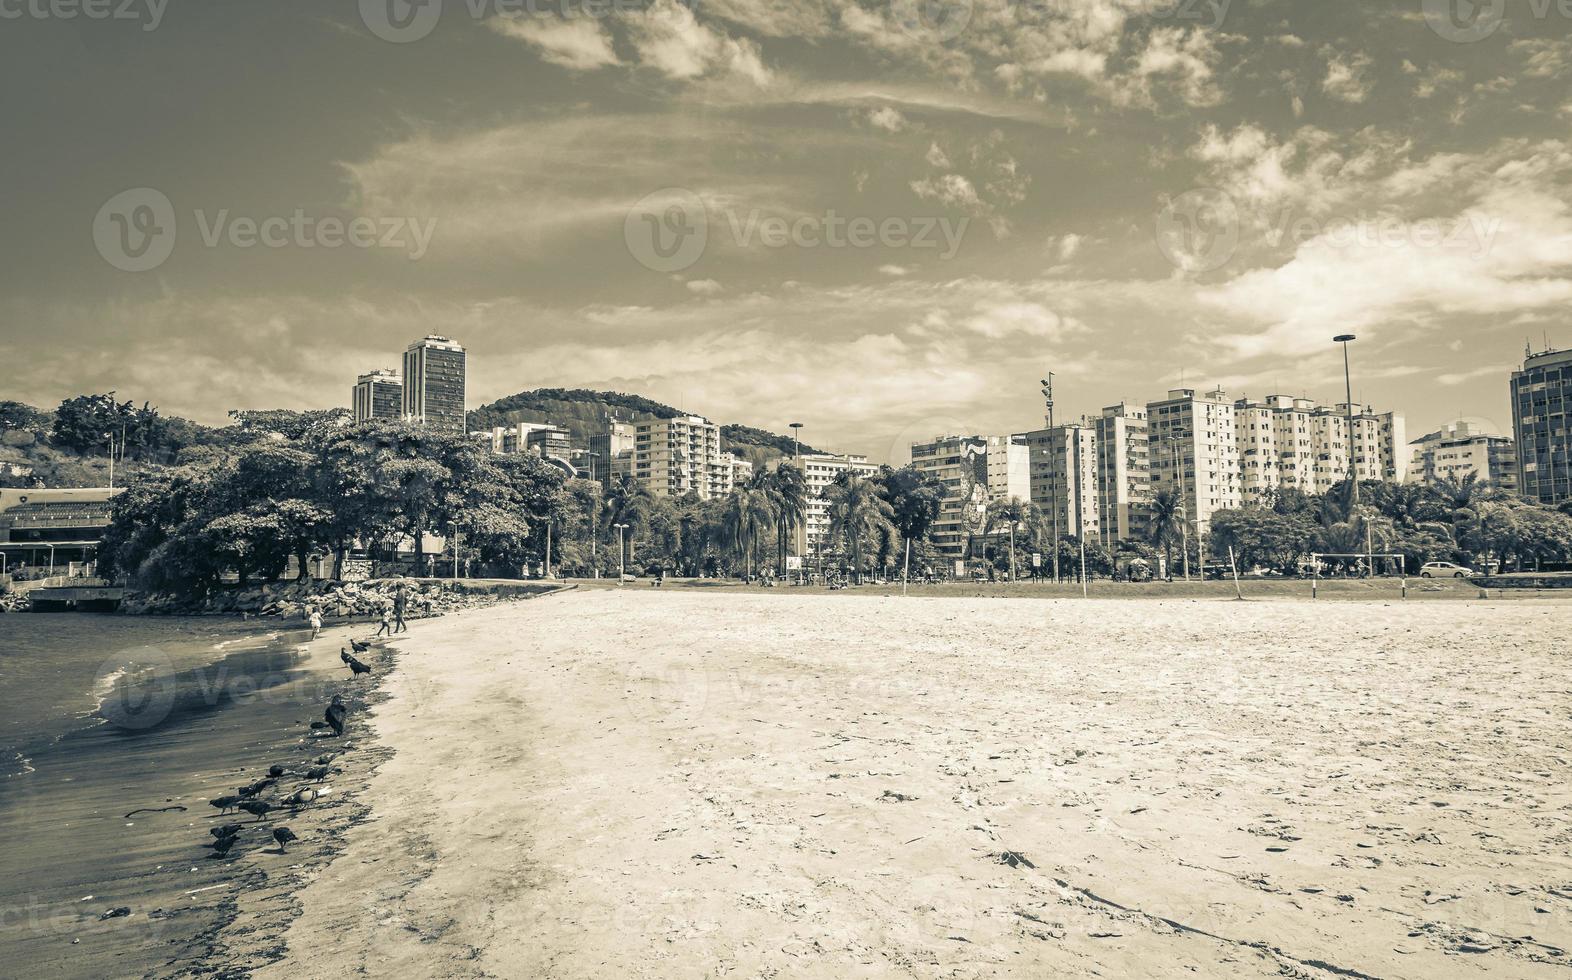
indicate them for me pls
(1064, 477)
(1542, 425)
(960, 463)
(677, 456)
(611, 451)
(434, 383)
(1295, 443)
(1195, 452)
(379, 395)
(1123, 477)
(1456, 450)
(1009, 469)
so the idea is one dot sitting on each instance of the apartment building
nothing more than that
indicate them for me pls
(434, 383)
(1542, 425)
(1456, 450)
(681, 455)
(611, 451)
(1294, 443)
(1009, 466)
(1064, 477)
(1194, 449)
(1123, 474)
(960, 463)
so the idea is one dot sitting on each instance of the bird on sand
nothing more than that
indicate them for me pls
(301, 797)
(227, 830)
(246, 792)
(336, 714)
(318, 773)
(222, 845)
(257, 808)
(356, 668)
(275, 771)
(225, 803)
(360, 647)
(283, 835)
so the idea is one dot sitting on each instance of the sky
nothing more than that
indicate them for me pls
(886, 220)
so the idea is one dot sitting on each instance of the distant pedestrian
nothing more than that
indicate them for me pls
(316, 622)
(400, 604)
(387, 623)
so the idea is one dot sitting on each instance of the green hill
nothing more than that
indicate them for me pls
(582, 412)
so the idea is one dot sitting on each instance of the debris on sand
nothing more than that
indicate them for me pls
(1014, 859)
(890, 796)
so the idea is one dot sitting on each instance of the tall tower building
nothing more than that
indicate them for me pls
(1542, 425)
(961, 464)
(611, 450)
(677, 456)
(379, 395)
(434, 383)
(1064, 477)
(1123, 473)
(1195, 452)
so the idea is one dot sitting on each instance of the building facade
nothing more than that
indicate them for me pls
(611, 451)
(1195, 452)
(1009, 469)
(1123, 475)
(1288, 442)
(434, 383)
(819, 470)
(960, 463)
(1542, 425)
(1064, 478)
(677, 456)
(379, 395)
(1456, 450)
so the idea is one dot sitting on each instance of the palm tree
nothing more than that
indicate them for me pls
(788, 490)
(748, 515)
(858, 515)
(1458, 493)
(1167, 524)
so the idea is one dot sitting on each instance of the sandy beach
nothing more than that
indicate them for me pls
(673, 784)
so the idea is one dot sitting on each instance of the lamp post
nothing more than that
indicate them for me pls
(1053, 474)
(802, 527)
(454, 526)
(621, 553)
(1348, 386)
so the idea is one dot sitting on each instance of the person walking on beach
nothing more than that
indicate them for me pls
(400, 604)
(387, 622)
(316, 622)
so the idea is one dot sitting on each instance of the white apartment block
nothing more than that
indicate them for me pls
(1195, 452)
(741, 470)
(1461, 448)
(1293, 442)
(682, 455)
(1123, 473)
(1009, 469)
(960, 463)
(1064, 477)
(819, 470)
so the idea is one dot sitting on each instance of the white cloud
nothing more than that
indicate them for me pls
(952, 189)
(671, 40)
(581, 44)
(894, 270)
(1346, 77)
(887, 118)
(704, 287)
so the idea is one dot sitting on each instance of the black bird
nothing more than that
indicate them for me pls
(325, 758)
(359, 646)
(222, 845)
(257, 808)
(246, 792)
(356, 668)
(318, 773)
(275, 771)
(227, 830)
(343, 655)
(283, 835)
(336, 714)
(225, 803)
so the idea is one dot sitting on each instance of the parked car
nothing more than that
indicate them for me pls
(1444, 569)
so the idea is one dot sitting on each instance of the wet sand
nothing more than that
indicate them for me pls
(72, 849)
(669, 784)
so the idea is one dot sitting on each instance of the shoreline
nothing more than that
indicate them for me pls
(648, 783)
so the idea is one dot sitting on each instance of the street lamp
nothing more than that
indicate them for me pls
(802, 528)
(1053, 473)
(621, 552)
(454, 526)
(1348, 384)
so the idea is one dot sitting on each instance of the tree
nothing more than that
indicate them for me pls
(788, 491)
(1262, 537)
(915, 498)
(858, 516)
(17, 416)
(289, 423)
(1167, 524)
(747, 516)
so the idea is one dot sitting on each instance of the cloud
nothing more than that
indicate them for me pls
(1346, 78)
(704, 287)
(893, 270)
(581, 44)
(887, 118)
(951, 189)
(669, 39)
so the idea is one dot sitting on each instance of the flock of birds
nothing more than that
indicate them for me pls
(250, 797)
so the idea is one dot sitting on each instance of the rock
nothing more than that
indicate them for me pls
(119, 911)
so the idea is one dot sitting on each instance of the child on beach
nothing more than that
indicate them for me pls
(387, 623)
(316, 622)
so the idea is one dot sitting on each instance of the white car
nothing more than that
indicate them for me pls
(1444, 569)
